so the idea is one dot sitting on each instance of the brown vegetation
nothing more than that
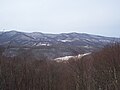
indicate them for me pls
(99, 71)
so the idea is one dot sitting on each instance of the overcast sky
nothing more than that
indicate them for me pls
(57, 16)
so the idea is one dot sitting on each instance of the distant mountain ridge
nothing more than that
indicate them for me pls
(55, 45)
(35, 37)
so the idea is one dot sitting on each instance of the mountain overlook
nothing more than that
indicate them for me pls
(52, 45)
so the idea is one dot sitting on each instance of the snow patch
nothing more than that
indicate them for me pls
(66, 58)
(43, 44)
(66, 40)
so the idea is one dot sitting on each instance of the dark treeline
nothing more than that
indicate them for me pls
(98, 71)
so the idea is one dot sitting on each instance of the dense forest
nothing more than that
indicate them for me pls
(97, 71)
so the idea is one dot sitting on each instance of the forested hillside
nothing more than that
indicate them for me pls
(98, 71)
(52, 45)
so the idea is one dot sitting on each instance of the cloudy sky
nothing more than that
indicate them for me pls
(57, 16)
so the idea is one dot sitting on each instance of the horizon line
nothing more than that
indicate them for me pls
(58, 33)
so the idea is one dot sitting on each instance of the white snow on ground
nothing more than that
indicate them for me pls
(105, 41)
(82, 55)
(43, 44)
(66, 58)
(66, 40)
